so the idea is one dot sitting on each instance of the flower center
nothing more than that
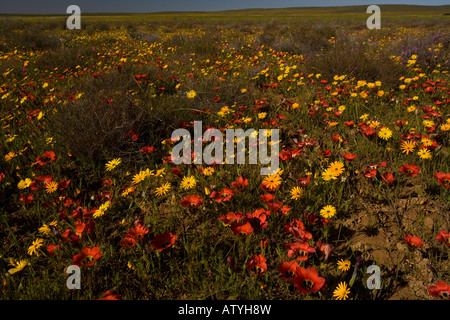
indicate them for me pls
(289, 274)
(307, 284)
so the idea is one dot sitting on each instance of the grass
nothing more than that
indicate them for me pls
(74, 101)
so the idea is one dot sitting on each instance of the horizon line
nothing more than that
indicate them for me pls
(227, 10)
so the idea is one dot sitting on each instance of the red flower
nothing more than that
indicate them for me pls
(440, 290)
(267, 198)
(137, 232)
(26, 199)
(108, 295)
(257, 264)
(52, 248)
(240, 184)
(297, 228)
(258, 218)
(241, 229)
(349, 157)
(443, 178)
(388, 177)
(148, 150)
(128, 242)
(444, 237)
(163, 241)
(231, 218)
(87, 257)
(288, 269)
(300, 248)
(303, 182)
(46, 158)
(192, 201)
(413, 242)
(410, 169)
(70, 236)
(308, 280)
(223, 195)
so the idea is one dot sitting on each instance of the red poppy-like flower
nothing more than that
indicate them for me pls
(257, 264)
(440, 290)
(148, 150)
(274, 206)
(258, 218)
(132, 135)
(285, 154)
(325, 153)
(79, 228)
(410, 169)
(240, 184)
(51, 249)
(231, 217)
(349, 157)
(108, 295)
(303, 182)
(288, 269)
(413, 242)
(128, 242)
(137, 232)
(370, 172)
(2, 175)
(192, 201)
(285, 210)
(388, 177)
(87, 257)
(267, 197)
(26, 199)
(443, 178)
(297, 228)
(241, 229)
(163, 241)
(46, 158)
(444, 237)
(70, 236)
(301, 249)
(223, 195)
(308, 280)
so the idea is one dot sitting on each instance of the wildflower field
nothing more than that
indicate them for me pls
(87, 179)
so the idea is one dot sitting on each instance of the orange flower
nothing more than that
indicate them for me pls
(257, 264)
(192, 201)
(223, 195)
(444, 237)
(300, 248)
(87, 257)
(440, 290)
(410, 169)
(241, 229)
(308, 280)
(108, 295)
(288, 269)
(413, 242)
(240, 184)
(443, 178)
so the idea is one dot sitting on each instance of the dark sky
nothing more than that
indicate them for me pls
(60, 6)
